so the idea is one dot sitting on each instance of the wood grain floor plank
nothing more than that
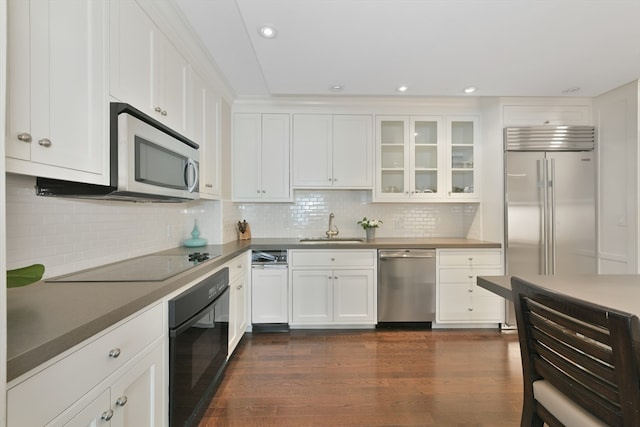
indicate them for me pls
(371, 378)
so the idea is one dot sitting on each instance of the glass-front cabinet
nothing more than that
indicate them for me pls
(462, 170)
(410, 157)
(426, 158)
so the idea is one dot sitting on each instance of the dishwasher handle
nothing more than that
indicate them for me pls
(407, 253)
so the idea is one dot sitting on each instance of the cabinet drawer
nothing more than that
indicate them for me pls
(469, 258)
(59, 385)
(332, 258)
(238, 266)
(458, 275)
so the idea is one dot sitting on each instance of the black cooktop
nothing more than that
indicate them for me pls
(148, 268)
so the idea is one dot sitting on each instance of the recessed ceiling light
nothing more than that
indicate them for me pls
(267, 31)
(470, 89)
(336, 88)
(402, 88)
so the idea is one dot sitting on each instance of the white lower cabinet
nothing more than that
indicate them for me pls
(239, 276)
(269, 295)
(129, 401)
(459, 298)
(333, 287)
(114, 379)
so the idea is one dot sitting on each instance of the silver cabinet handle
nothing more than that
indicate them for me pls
(470, 309)
(335, 277)
(24, 137)
(209, 185)
(470, 290)
(239, 287)
(158, 109)
(239, 265)
(121, 401)
(114, 353)
(264, 191)
(45, 142)
(107, 415)
(164, 112)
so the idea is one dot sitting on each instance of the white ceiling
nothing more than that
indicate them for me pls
(435, 47)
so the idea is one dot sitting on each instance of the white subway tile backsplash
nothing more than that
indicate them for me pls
(308, 216)
(71, 234)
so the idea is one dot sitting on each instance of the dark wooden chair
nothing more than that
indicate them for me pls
(579, 360)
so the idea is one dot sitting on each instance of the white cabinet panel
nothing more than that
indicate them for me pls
(147, 71)
(239, 279)
(59, 386)
(459, 298)
(58, 98)
(205, 130)
(269, 293)
(533, 115)
(261, 157)
(332, 151)
(312, 296)
(333, 287)
(353, 296)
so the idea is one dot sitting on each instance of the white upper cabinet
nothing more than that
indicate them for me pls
(147, 71)
(57, 115)
(332, 151)
(205, 105)
(260, 157)
(410, 158)
(534, 115)
(462, 179)
(426, 158)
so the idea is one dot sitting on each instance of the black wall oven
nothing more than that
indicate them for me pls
(198, 347)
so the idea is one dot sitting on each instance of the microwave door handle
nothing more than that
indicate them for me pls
(191, 165)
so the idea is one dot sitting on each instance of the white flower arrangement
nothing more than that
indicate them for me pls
(369, 223)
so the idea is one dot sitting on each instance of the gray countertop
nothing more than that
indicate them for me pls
(619, 291)
(46, 319)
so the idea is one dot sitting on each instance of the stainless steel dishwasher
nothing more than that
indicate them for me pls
(406, 286)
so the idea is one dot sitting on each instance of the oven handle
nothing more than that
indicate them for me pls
(175, 331)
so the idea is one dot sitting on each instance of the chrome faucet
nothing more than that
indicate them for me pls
(333, 230)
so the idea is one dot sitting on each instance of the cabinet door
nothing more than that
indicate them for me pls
(205, 130)
(462, 180)
(247, 157)
(137, 396)
(311, 296)
(269, 295)
(454, 302)
(233, 315)
(66, 96)
(93, 414)
(172, 71)
(275, 158)
(352, 151)
(312, 151)
(532, 115)
(392, 175)
(18, 73)
(353, 296)
(133, 58)
(426, 179)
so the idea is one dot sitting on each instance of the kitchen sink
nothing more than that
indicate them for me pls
(332, 240)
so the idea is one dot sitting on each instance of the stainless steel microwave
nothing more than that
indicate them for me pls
(149, 163)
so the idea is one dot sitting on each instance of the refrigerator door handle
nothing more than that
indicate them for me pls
(552, 213)
(544, 255)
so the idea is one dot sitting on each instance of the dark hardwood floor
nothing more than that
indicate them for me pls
(371, 378)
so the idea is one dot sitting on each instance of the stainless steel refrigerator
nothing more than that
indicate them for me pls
(550, 201)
